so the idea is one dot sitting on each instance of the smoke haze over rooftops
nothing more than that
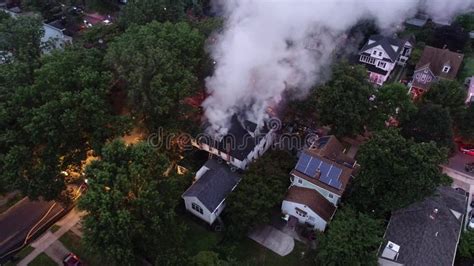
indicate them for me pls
(271, 47)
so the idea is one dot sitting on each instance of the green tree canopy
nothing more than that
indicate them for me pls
(431, 123)
(396, 172)
(393, 101)
(344, 102)
(465, 123)
(142, 12)
(447, 93)
(352, 238)
(262, 187)
(127, 215)
(21, 36)
(466, 245)
(158, 61)
(49, 126)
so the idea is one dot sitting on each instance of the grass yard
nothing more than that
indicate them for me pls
(42, 260)
(468, 69)
(20, 255)
(198, 238)
(253, 253)
(246, 252)
(73, 242)
(54, 228)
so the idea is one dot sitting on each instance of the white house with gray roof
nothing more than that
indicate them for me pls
(205, 198)
(381, 54)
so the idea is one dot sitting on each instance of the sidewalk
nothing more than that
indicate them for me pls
(45, 241)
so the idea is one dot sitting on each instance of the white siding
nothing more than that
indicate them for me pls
(288, 207)
(300, 182)
(206, 215)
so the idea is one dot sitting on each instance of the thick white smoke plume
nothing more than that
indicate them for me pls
(269, 47)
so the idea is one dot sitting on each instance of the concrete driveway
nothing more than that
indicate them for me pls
(273, 239)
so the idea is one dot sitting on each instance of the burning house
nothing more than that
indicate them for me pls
(243, 143)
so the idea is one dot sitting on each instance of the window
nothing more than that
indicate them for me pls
(374, 53)
(300, 212)
(446, 69)
(381, 64)
(331, 195)
(367, 59)
(300, 181)
(197, 208)
(380, 53)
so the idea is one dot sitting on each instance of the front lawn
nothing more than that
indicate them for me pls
(468, 69)
(42, 260)
(73, 242)
(198, 238)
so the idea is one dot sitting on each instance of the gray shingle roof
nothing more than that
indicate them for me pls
(386, 43)
(427, 237)
(214, 185)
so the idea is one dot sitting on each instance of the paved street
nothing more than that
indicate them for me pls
(58, 251)
(24, 219)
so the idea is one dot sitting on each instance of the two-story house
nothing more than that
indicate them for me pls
(243, 143)
(324, 169)
(435, 64)
(381, 54)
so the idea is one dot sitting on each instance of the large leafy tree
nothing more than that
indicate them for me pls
(396, 172)
(144, 11)
(262, 187)
(21, 40)
(453, 36)
(49, 125)
(158, 61)
(465, 123)
(393, 101)
(128, 216)
(431, 123)
(447, 93)
(352, 238)
(344, 102)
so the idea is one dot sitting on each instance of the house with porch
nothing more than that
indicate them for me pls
(435, 64)
(205, 198)
(426, 232)
(381, 54)
(322, 168)
(244, 142)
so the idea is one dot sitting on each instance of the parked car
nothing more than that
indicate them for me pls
(466, 149)
(71, 260)
(469, 167)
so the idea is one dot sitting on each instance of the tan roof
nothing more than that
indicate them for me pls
(436, 58)
(313, 200)
(331, 148)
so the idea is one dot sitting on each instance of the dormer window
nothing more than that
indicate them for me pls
(446, 68)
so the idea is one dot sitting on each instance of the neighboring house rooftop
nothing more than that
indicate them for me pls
(313, 200)
(426, 232)
(325, 165)
(419, 20)
(392, 46)
(214, 185)
(435, 59)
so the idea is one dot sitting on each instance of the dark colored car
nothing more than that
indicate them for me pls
(469, 167)
(71, 260)
(467, 149)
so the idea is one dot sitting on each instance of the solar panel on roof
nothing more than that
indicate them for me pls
(303, 162)
(335, 172)
(335, 183)
(313, 167)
